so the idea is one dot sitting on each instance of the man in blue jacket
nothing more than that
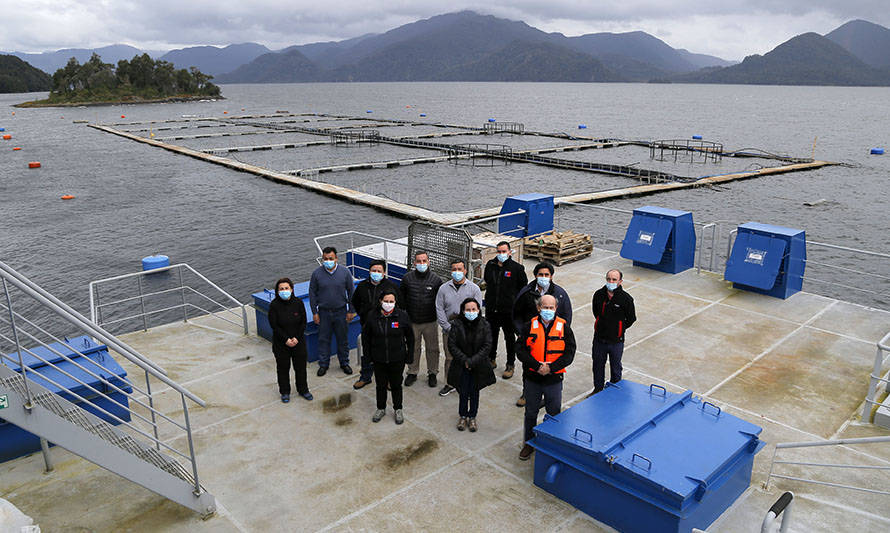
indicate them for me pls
(330, 299)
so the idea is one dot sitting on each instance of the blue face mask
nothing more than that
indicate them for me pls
(543, 282)
(548, 314)
(611, 286)
(329, 264)
(503, 257)
(284, 295)
(421, 267)
(457, 276)
(471, 315)
(376, 276)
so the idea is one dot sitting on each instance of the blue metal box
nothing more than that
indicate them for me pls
(767, 259)
(643, 459)
(537, 219)
(15, 442)
(661, 239)
(261, 301)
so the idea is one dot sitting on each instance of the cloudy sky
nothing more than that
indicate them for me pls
(730, 29)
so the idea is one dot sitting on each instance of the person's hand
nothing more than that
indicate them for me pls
(544, 369)
(350, 316)
(467, 365)
(291, 342)
(316, 318)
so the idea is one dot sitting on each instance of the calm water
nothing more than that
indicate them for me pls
(243, 231)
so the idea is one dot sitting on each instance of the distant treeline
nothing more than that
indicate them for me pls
(17, 76)
(141, 77)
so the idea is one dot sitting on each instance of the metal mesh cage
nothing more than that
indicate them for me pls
(442, 243)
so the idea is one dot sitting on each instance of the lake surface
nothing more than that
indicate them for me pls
(243, 232)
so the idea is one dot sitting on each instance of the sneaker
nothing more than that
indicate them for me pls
(494, 363)
(446, 390)
(471, 424)
(520, 402)
(285, 398)
(431, 380)
(410, 379)
(346, 369)
(321, 371)
(378, 415)
(399, 416)
(526, 452)
(307, 396)
(462, 423)
(508, 372)
(360, 383)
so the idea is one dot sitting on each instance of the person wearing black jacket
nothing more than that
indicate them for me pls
(528, 301)
(417, 295)
(365, 298)
(546, 347)
(287, 317)
(614, 312)
(469, 341)
(504, 278)
(388, 339)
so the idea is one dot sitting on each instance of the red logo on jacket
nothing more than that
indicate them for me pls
(507, 274)
(395, 325)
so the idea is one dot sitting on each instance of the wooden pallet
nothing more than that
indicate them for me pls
(558, 247)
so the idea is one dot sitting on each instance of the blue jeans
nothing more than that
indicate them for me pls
(332, 322)
(537, 394)
(602, 351)
(469, 394)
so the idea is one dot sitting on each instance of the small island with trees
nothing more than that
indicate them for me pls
(140, 80)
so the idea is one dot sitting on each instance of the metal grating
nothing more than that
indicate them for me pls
(442, 243)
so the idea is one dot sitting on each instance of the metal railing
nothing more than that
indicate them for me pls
(392, 249)
(99, 309)
(782, 508)
(836, 442)
(877, 376)
(141, 418)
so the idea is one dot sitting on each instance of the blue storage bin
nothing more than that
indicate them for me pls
(767, 259)
(661, 239)
(261, 301)
(15, 442)
(642, 459)
(537, 219)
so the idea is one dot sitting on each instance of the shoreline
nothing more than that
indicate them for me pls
(166, 100)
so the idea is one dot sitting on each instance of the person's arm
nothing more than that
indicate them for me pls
(488, 275)
(521, 278)
(518, 311)
(630, 313)
(301, 318)
(594, 305)
(277, 332)
(408, 332)
(568, 355)
(350, 290)
(566, 308)
(457, 335)
(522, 350)
(313, 292)
(481, 355)
(358, 299)
(402, 300)
(367, 333)
(441, 317)
(477, 293)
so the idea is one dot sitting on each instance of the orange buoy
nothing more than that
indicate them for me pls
(34, 164)
(16, 149)
(7, 137)
(67, 197)
(225, 112)
(123, 116)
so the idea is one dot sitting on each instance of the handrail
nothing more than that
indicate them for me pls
(782, 508)
(95, 306)
(486, 219)
(819, 443)
(883, 346)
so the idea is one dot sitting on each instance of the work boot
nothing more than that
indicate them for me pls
(308, 396)
(346, 369)
(471, 424)
(399, 417)
(321, 371)
(508, 372)
(360, 383)
(285, 398)
(378, 415)
(431, 380)
(526, 452)
(520, 402)
(410, 379)
(462, 423)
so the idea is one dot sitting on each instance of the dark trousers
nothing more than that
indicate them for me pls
(469, 394)
(389, 374)
(602, 351)
(367, 367)
(283, 360)
(537, 394)
(502, 321)
(332, 322)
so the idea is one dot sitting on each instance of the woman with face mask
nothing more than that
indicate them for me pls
(388, 338)
(287, 317)
(469, 341)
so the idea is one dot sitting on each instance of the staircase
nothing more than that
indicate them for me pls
(124, 437)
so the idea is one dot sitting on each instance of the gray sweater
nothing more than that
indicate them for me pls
(449, 298)
(331, 290)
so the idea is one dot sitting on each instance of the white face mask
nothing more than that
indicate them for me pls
(388, 306)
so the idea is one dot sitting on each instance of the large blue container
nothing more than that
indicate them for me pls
(15, 442)
(661, 239)
(261, 301)
(537, 219)
(767, 259)
(642, 459)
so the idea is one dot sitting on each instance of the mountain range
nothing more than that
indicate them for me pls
(466, 46)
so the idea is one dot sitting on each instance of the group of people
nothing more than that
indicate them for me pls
(401, 322)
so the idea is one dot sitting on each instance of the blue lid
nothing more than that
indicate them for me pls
(83, 344)
(755, 260)
(646, 239)
(662, 211)
(769, 228)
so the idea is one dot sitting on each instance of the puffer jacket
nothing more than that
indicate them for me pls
(470, 344)
(417, 294)
(388, 339)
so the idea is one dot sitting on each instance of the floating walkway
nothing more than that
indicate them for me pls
(379, 164)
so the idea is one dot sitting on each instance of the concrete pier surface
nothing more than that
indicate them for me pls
(796, 367)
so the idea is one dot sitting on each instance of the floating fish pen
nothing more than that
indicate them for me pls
(481, 154)
(514, 128)
(346, 137)
(685, 150)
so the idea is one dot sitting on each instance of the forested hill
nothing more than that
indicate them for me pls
(17, 76)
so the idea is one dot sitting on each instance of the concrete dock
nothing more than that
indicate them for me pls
(797, 367)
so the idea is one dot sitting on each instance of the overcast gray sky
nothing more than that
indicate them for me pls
(730, 29)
